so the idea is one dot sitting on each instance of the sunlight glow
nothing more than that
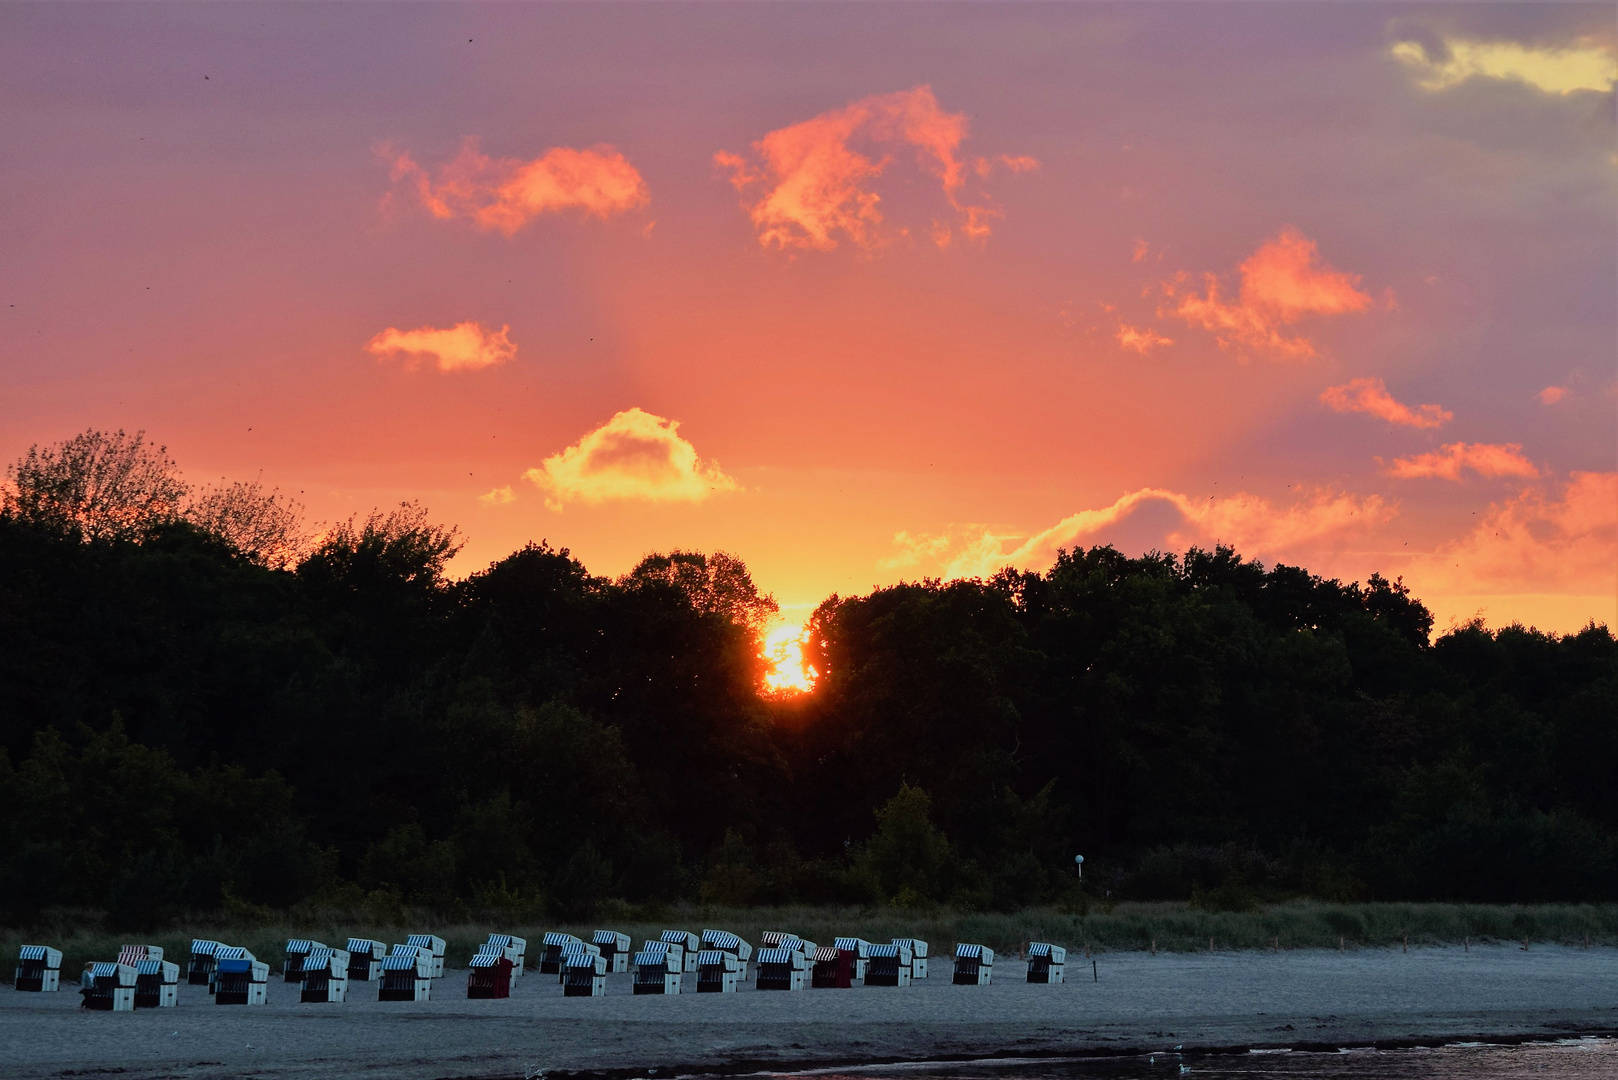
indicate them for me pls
(788, 674)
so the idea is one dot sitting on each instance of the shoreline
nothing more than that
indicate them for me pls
(1209, 1005)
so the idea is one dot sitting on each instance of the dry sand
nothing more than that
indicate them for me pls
(1141, 1002)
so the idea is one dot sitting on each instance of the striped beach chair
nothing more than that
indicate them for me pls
(974, 965)
(406, 975)
(614, 949)
(832, 968)
(435, 949)
(586, 973)
(240, 980)
(781, 967)
(325, 975)
(296, 950)
(550, 960)
(157, 984)
(888, 965)
(689, 945)
(1046, 962)
(659, 968)
(718, 971)
(39, 969)
(365, 959)
(107, 987)
(199, 971)
(918, 955)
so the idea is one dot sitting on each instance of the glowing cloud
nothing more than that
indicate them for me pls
(1141, 341)
(465, 346)
(1250, 523)
(507, 193)
(1485, 459)
(1586, 66)
(635, 455)
(1544, 542)
(1371, 396)
(816, 186)
(1282, 282)
(500, 496)
(1551, 395)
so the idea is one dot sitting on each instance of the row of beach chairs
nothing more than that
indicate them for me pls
(141, 978)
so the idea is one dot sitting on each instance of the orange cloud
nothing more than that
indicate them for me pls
(500, 496)
(1252, 524)
(1485, 459)
(1371, 396)
(635, 455)
(507, 193)
(1554, 552)
(1552, 394)
(465, 346)
(1282, 282)
(815, 186)
(1141, 341)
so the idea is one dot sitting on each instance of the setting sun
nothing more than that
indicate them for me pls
(788, 674)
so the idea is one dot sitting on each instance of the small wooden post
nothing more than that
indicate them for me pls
(1407, 943)
(1095, 973)
(1467, 943)
(1210, 945)
(1339, 942)
(1275, 944)
(1154, 945)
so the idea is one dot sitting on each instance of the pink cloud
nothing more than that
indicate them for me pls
(1447, 463)
(1371, 396)
(1282, 282)
(1141, 341)
(507, 193)
(465, 346)
(1552, 394)
(814, 186)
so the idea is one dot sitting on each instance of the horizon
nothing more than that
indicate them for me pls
(855, 297)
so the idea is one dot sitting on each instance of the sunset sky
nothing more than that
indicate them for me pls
(856, 293)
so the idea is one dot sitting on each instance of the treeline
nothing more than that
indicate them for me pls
(203, 708)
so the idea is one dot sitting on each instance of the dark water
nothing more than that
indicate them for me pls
(1570, 1059)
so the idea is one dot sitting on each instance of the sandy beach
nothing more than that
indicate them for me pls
(1141, 1002)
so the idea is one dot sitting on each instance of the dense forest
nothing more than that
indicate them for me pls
(202, 707)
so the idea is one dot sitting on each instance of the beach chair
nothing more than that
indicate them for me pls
(491, 972)
(832, 968)
(550, 960)
(134, 954)
(572, 949)
(918, 955)
(725, 941)
(107, 987)
(199, 972)
(718, 971)
(781, 967)
(435, 950)
(296, 950)
(1046, 962)
(586, 973)
(223, 953)
(689, 945)
(974, 965)
(888, 965)
(325, 975)
(157, 984)
(365, 959)
(39, 969)
(241, 980)
(407, 975)
(516, 951)
(861, 950)
(658, 968)
(614, 949)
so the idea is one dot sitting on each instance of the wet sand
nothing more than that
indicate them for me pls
(1141, 1003)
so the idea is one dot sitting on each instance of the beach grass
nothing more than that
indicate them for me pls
(1122, 927)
